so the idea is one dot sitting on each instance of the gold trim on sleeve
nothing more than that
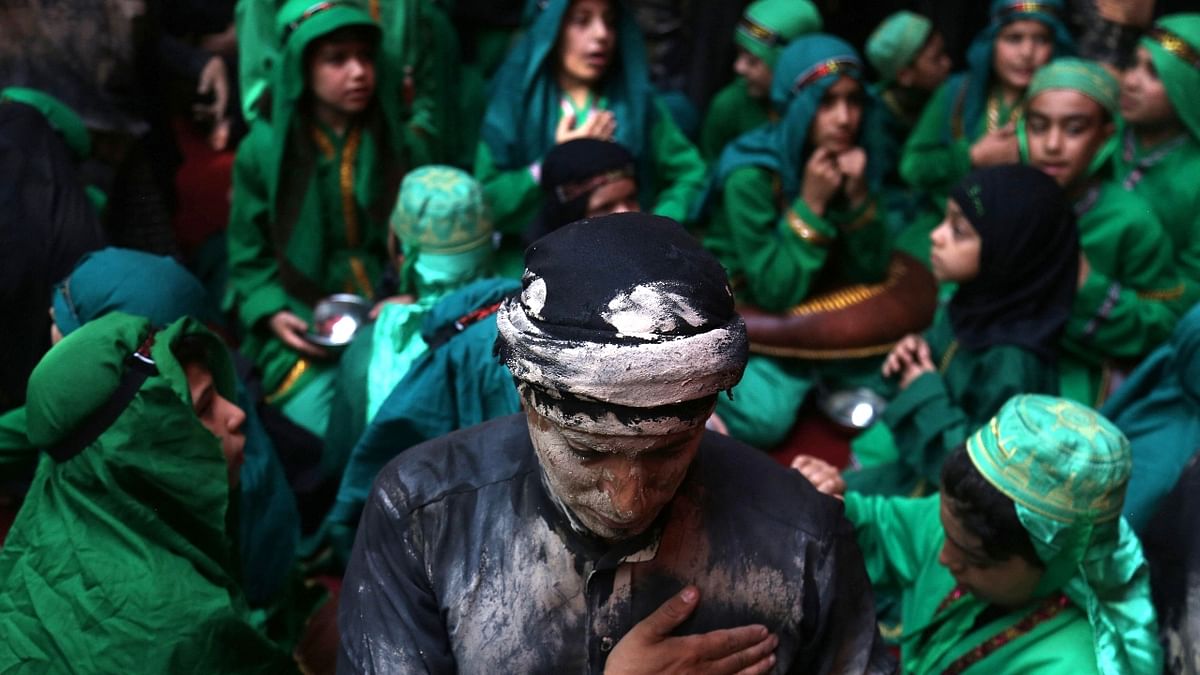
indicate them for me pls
(806, 232)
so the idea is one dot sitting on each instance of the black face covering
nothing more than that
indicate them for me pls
(571, 172)
(1028, 261)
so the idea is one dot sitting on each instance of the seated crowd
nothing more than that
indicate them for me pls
(579, 407)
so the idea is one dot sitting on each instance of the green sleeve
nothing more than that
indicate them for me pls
(928, 423)
(928, 162)
(898, 536)
(511, 195)
(780, 257)
(720, 124)
(16, 450)
(254, 283)
(1187, 258)
(679, 171)
(258, 49)
(864, 245)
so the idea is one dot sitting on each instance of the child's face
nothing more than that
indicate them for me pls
(929, 68)
(587, 40)
(1144, 99)
(835, 126)
(956, 247)
(342, 75)
(1065, 130)
(219, 415)
(755, 71)
(1007, 583)
(1020, 48)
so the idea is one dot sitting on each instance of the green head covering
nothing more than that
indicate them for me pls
(768, 25)
(896, 42)
(1066, 468)
(442, 223)
(1088, 78)
(150, 584)
(117, 279)
(65, 121)
(1174, 46)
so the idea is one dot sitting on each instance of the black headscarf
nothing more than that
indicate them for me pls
(571, 172)
(624, 321)
(1028, 261)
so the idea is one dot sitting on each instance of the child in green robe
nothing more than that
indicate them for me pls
(969, 121)
(767, 26)
(793, 206)
(1131, 293)
(1160, 154)
(1009, 240)
(579, 72)
(1023, 565)
(311, 190)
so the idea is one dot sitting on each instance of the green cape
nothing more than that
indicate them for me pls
(1174, 46)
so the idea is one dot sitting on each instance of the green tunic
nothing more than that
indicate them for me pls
(901, 539)
(1167, 182)
(731, 113)
(939, 410)
(1132, 296)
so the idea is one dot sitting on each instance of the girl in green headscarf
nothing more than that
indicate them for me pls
(1023, 564)
(443, 235)
(312, 187)
(1130, 293)
(969, 121)
(143, 446)
(767, 26)
(580, 71)
(794, 203)
(1160, 154)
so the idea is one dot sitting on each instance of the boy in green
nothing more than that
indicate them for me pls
(122, 558)
(969, 121)
(1130, 293)
(1009, 241)
(311, 190)
(1160, 157)
(443, 237)
(1023, 564)
(767, 26)
(579, 72)
(911, 60)
(793, 205)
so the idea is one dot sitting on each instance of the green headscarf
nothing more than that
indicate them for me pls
(977, 81)
(896, 42)
(151, 286)
(767, 26)
(808, 67)
(442, 223)
(1066, 468)
(61, 117)
(144, 510)
(1088, 78)
(1174, 46)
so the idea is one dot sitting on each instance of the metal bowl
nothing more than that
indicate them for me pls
(336, 319)
(852, 408)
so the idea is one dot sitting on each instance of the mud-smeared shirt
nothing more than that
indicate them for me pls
(464, 563)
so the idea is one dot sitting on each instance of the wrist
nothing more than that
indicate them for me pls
(815, 204)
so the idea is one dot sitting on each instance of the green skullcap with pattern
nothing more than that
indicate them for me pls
(441, 210)
(1086, 77)
(896, 42)
(768, 25)
(1174, 46)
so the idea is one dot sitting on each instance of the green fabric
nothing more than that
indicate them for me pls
(61, 117)
(1158, 409)
(768, 25)
(454, 386)
(1132, 296)
(731, 113)
(1085, 77)
(1180, 77)
(527, 103)
(1065, 467)
(152, 286)
(150, 585)
(766, 400)
(297, 219)
(938, 410)
(896, 42)
(16, 452)
(901, 539)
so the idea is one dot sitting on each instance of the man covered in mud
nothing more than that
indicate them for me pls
(603, 529)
